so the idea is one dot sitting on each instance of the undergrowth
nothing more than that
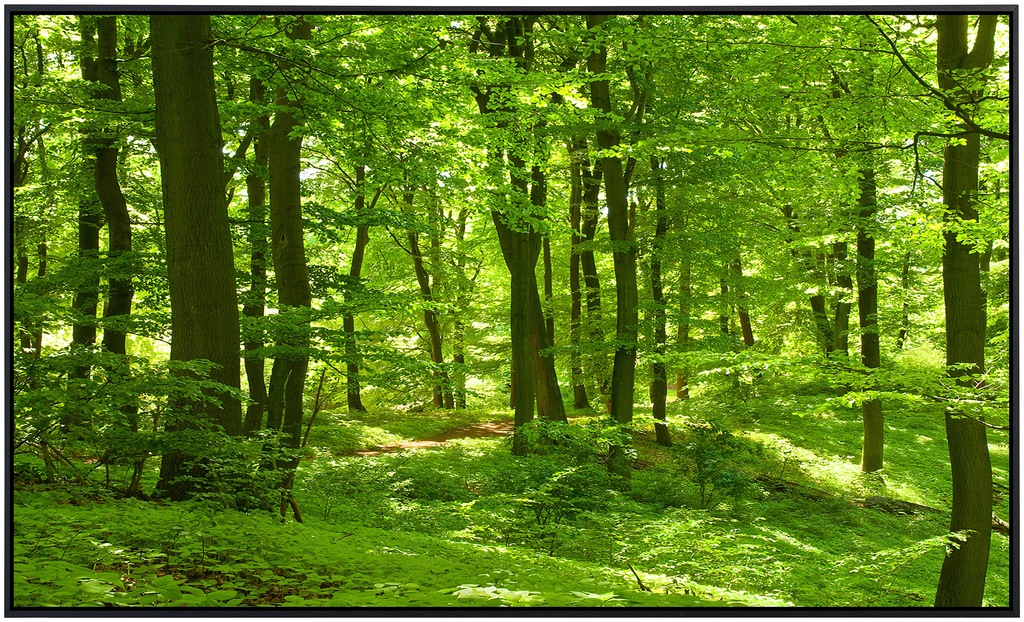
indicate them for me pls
(755, 503)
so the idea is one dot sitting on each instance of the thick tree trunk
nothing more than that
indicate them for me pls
(623, 247)
(200, 263)
(867, 308)
(659, 381)
(256, 301)
(962, 580)
(579, 388)
(288, 375)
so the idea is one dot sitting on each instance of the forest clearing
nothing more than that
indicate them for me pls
(489, 310)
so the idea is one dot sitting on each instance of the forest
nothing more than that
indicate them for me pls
(510, 310)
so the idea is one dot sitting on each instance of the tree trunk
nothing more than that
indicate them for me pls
(623, 247)
(962, 580)
(659, 381)
(441, 381)
(843, 304)
(579, 388)
(549, 312)
(746, 330)
(824, 334)
(255, 303)
(90, 220)
(867, 308)
(596, 364)
(353, 394)
(288, 375)
(108, 189)
(901, 338)
(683, 330)
(200, 263)
(465, 289)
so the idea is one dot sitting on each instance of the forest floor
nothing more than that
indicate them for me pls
(755, 504)
(479, 430)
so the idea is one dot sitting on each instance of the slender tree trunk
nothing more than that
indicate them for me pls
(746, 330)
(824, 334)
(465, 288)
(550, 406)
(683, 330)
(962, 580)
(623, 247)
(353, 394)
(441, 380)
(901, 338)
(659, 381)
(200, 263)
(841, 326)
(579, 388)
(256, 302)
(549, 313)
(108, 189)
(867, 308)
(596, 364)
(288, 375)
(90, 221)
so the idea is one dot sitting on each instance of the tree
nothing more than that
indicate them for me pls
(291, 362)
(623, 248)
(255, 302)
(200, 265)
(867, 310)
(90, 221)
(962, 581)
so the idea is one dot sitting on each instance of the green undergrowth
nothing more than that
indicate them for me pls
(98, 552)
(756, 503)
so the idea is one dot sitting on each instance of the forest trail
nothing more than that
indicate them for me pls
(480, 430)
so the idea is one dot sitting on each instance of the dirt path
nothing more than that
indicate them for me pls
(480, 430)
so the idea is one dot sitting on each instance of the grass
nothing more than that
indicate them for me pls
(468, 524)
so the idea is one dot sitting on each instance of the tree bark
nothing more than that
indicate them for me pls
(353, 392)
(962, 579)
(683, 330)
(659, 381)
(108, 189)
(901, 338)
(824, 334)
(521, 245)
(255, 303)
(596, 364)
(746, 330)
(867, 309)
(90, 221)
(623, 247)
(579, 388)
(201, 275)
(442, 390)
(288, 375)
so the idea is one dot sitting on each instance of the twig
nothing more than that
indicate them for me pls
(639, 582)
